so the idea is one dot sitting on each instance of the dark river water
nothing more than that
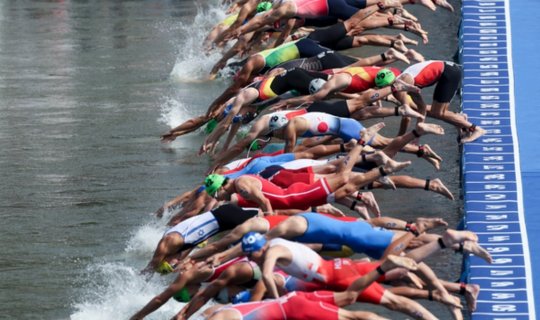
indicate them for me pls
(86, 88)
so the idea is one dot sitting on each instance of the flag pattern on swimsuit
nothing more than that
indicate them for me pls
(363, 78)
(265, 89)
(321, 124)
(426, 73)
(196, 229)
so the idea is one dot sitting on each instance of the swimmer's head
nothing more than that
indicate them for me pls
(277, 121)
(384, 77)
(254, 146)
(264, 6)
(210, 126)
(252, 242)
(315, 85)
(164, 268)
(182, 295)
(213, 182)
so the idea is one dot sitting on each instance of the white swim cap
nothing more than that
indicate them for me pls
(277, 121)
(316, 85)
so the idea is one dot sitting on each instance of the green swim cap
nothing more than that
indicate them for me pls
(264, 6)
(182, 295)
(213, 182)
(210, 126)
(384, 78)
(254, 146)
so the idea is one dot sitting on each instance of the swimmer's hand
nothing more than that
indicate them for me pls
(159, 212)
(168, 137)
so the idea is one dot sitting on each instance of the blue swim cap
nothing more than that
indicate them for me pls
(252, 241)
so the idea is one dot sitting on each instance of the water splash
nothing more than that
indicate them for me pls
(116, 291)
(174, 112)
(192, 64)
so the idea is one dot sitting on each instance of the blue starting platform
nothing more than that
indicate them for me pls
(500, 51)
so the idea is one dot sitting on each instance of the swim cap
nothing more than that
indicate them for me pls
(252, 241)
(242, 133)
(254, 146)
(384, 78)
(241, 297)
(210, 126)
(164, 268)
(277, 121)
(264, 6)
(315, 85)
(213, 182)
(182, 295)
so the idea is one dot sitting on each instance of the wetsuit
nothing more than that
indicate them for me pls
(296, 196)
(342, 9)
(363, 78)
(309, 266)
(446, 74)
(372, 294)
(302, 48)
(322, 61)
(321, 124)
(201, 227)
(296, 80)
(293, 306)
(359, 235)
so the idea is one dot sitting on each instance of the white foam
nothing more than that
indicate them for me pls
(191, 63)
(174, 112)
(118, 291)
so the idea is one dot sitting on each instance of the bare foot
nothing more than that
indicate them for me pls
(414, 280)
(429, 128)
(398, 44)
(387, 183)
(429, 4)
(477, 133)
(379, 157)
(471, 295)
(414, 55)
(474, 248)
(434, 162)
(428, 152)
(401, 85)
(425, 224)
(392, 166)
(350, 144)
(451, 237)
(393, 261)
(456, 313)
(331, 210)
(394, 54)
(446, 298)
(406, 40)
(406, 14)
(371, 203)
(436, 185)
(406, 111)
(425, 38)
(444, 4)
(393, 100)
(362, 211)
(369, 133)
